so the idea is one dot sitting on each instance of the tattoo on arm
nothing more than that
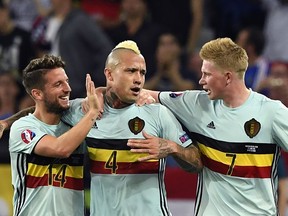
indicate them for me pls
(191, 161)
(164, 148)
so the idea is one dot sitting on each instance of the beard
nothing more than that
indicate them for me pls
(54, 107)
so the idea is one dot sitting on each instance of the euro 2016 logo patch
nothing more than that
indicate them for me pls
(27, 136)
(136, 125)
(252, 127)
(175, 95)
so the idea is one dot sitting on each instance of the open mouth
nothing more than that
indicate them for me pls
(136, 90)
(64, 98)
(208, 91)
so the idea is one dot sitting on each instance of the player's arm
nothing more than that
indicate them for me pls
(158, 148)
(65, 144)
(6, 123)
(189, 158)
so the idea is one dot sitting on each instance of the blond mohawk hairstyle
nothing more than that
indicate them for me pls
(128, 44)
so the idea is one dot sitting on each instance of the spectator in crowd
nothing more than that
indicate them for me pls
(171, 73)
(136, 25)
(194, 67)
(15, 44)
(105, 13)
(228, 17)
(25, 12)
(253, 41)
(9, 103)
(9, 92)
(82, 44)
(275, 85)
(275, 30)
(182, 18)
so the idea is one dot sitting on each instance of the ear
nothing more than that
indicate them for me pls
(37, 94)
(228, 75)
(108, 74)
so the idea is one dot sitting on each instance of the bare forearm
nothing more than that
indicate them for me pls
(64, 145)
(77, 133)
(188, 158)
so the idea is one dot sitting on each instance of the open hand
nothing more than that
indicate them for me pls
(155, 147)
(92, 98)
(85, 103)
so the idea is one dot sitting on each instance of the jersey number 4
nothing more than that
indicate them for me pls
(111, 163)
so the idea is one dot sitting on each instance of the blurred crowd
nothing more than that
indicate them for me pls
(169, 34)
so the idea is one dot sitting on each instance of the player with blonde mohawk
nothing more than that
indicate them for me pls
(128, 44)
(121, 184)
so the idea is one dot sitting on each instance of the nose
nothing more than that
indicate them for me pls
(138, 78)
(201, 80)
(67, 87)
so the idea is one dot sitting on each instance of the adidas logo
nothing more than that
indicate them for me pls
(211, 125)
(95, 125)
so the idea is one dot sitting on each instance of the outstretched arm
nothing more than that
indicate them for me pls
(158, 148)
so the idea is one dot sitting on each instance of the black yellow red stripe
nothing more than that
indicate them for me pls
(58, 172)
(99, 167)
(114, 157)
(234, 147)
(247, 160)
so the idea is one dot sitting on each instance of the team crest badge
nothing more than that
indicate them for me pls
(252, 127)
(136, 125)
(27, 136)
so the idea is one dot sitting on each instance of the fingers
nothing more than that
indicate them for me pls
(88, 79)
(140, 150)
(147, 158)
(134, 143)
(100, 115)
(89, 84)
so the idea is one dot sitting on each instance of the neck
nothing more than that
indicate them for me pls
(48, 118)
(236, 96)
(114, 102)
